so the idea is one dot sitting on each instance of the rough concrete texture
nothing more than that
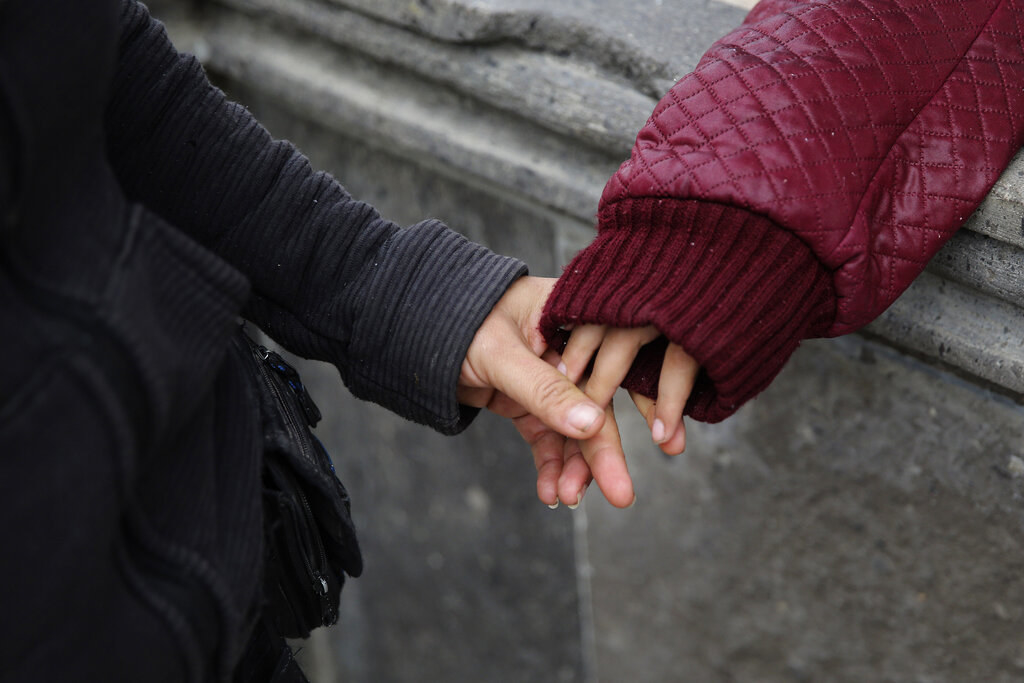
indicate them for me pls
(1001, 215)
(957, 326)
(649, 43)
(983, 263)
(860, 521)
(599, 108)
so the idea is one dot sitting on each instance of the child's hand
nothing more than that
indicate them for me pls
(601, 457)
(616, 348)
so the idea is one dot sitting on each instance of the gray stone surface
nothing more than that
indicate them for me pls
(1001, 215)
(956, 325)
(649, 43)
(566, 95)
(860, 521)
(982, 263)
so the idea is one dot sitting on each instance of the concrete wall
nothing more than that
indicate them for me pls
(861, 520)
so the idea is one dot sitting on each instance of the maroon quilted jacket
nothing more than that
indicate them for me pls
(798, 180)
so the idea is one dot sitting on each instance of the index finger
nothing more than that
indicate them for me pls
(617, 353)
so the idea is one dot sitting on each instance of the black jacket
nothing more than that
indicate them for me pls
(141, 214)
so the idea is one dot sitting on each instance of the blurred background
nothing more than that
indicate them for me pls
(860, 521)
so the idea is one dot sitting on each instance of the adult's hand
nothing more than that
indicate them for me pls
(509, 370)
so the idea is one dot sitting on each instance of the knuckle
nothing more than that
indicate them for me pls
(550, 390)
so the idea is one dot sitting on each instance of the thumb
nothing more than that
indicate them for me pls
(546, 393)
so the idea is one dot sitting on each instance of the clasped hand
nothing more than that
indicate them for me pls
(565, 415)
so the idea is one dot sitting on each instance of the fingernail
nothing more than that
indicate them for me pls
(583, 416)
(658, 431)
(562, 369)
(633, 503)
(555, 505)
(579, 498)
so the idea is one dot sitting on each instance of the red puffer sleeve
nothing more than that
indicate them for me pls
(797, 181)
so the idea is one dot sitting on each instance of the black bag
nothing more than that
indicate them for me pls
(310, 538)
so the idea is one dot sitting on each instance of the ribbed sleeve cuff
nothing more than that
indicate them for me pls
(418, 311)
(737, 292)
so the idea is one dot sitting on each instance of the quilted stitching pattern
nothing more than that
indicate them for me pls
(870, 129)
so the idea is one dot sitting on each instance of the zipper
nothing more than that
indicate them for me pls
(318, 579)
(267, 365)
(274, 371)
(294, 382)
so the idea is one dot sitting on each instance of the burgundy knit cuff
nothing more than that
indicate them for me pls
(737, 292)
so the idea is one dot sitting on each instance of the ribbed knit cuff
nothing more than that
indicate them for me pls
(414, 316)
(737, 292)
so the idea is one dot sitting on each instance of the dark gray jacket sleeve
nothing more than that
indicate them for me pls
(393, 308)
